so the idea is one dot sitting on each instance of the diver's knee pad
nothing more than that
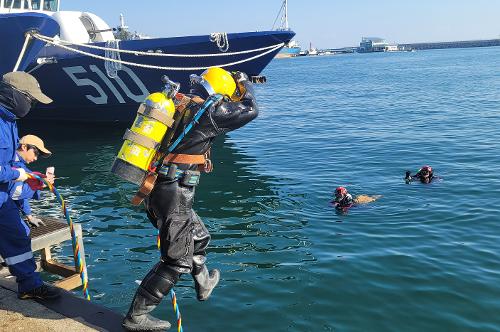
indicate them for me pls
(158, 282)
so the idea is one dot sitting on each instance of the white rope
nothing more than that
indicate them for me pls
(220, 39)
(139, 53)
(274, 48)
(23, 50)
(112, 68)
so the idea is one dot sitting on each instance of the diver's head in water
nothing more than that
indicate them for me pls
(425, 174)
(340, 194)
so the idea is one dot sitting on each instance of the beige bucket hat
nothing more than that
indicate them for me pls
(26, 83)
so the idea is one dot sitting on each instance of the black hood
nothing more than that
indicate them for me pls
(14, 101)
(199, 90)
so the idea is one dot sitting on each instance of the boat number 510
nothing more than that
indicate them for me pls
(102, 97)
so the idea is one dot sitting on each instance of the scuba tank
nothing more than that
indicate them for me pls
(153, 126)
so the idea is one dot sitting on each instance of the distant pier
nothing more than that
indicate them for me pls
(452, 44)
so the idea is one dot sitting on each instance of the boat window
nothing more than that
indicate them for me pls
(35, 4)
(50, 5)
(13, 4)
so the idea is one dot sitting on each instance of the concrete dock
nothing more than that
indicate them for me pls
(69, 313)
(16, 315)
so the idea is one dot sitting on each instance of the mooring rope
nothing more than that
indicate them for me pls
(53, 40)
(112, 68)
(220, 39)
(23, 50)
(140, 65)
(80, 268)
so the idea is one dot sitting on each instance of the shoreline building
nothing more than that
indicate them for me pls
(376, 44)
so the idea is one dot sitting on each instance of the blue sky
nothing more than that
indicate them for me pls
(324, 23)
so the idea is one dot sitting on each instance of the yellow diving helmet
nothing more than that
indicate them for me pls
(155, 117)
(217, 80)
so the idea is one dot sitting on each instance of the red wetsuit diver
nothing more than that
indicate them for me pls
(343, 200)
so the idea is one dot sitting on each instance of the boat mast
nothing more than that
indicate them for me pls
(286, 15)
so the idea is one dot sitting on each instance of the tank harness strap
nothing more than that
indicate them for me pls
(189, 159)
(145, 189)
(202, 160)
(140, 139)
(156, 114)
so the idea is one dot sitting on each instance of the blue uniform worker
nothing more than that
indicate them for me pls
(30, 148)
(18, 92)
(20, 192)
(15, 244)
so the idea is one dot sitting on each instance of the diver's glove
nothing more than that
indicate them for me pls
(408, 176)
(34, 221)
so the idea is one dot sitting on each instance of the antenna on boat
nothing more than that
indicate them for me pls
(122, 23)
(283, 14)
(286, 16)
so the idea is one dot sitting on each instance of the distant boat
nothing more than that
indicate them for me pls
(292, 48)
(93, 76)
(312, 50)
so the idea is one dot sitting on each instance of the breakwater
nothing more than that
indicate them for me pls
(452, 44)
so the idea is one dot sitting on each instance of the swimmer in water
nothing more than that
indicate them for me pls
(343, 200)
(424, 175)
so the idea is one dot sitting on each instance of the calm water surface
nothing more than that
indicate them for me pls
(422, 258)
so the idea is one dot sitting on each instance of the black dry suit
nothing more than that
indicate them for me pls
(169, 206)
(183, 236)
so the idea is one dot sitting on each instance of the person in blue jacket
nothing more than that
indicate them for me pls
(19, 91)
(30, 148)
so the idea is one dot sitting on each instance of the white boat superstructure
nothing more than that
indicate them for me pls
(76, 27)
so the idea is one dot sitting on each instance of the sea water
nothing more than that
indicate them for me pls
(421, 258)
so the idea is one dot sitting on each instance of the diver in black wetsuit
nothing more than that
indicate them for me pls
(424, 175)
(183, 236)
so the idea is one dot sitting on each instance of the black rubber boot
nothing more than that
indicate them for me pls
(43, 292)
(204, 281)
(157, 283)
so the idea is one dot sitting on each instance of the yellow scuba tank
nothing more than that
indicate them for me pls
(154, 121)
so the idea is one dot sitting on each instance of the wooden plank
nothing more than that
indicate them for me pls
(69, 283)
(55, 267)
(46, 255)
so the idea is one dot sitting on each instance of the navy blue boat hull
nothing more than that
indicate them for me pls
(13, 28)
(82, 90)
